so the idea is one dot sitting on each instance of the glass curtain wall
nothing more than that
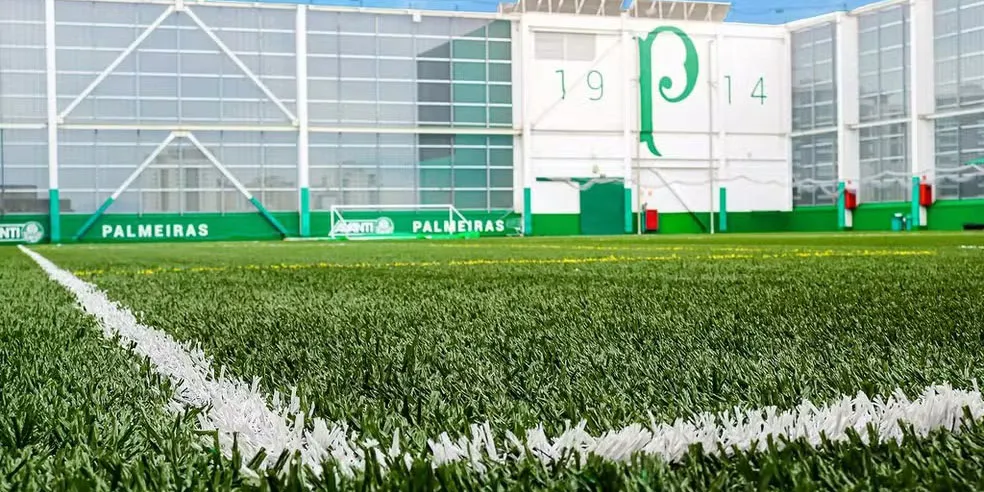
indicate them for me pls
(814, 139)
(23, 151)
(959, 50)
(883, 77)
(379, 85)
(389, 71)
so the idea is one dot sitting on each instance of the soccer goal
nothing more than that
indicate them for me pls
(367, 222)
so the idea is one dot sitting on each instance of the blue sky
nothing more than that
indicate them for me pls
(758, 11)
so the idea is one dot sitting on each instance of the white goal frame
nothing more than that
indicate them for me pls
(337, 219)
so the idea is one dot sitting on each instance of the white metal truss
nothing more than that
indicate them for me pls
(143, 165)
(163, 145)
(178, 6)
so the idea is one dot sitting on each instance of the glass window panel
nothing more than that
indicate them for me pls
(472, 71)
(434, 92)
(356, 45)
(470, 200)
(396, 24)
(433, 48)
(500, 116)
(502, 200)
(434, 197)
(397, 177)
(500, 50)
(357, 112)
(434, 26)
(397, 91)
(500, 141)
(357, 22)
(323, 67)
(435, 178)
(471, 178)
(469, 49)
(357, 91)
(322, 43)
(397, 197)
(435, 156)
(501, 157)
(892, 35)
(279, 200)
(470, 140)
(500, 29)
(395, 46)
(436, 140)
(892, 58)
(434, 114)
(469, 93)
(501, 178)
(357, 67)
(470, 157)
(823, 71)
(396, 113)
(433, 70)
(500, 94)
(470, 115)
(500, 72)
(400, 69)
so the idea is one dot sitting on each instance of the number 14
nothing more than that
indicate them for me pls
(758, 91)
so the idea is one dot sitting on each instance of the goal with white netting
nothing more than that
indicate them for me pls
(366, 222)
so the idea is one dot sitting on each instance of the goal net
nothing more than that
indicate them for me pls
(366, 222)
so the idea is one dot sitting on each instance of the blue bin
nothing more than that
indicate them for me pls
(898, 223)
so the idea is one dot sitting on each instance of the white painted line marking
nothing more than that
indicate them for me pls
(239, 408)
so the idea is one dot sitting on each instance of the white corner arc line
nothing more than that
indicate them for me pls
(238, 408)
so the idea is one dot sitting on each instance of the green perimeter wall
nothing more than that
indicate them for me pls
(942, 216)
(252, 226)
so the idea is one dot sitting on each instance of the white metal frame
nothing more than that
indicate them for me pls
(178, 6)
(198, 145)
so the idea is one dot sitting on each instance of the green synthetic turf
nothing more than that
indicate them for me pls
(79, 412)
(430, 337)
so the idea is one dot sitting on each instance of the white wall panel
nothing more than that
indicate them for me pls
(718, 96)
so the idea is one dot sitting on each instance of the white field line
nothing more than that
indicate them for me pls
(233, 407)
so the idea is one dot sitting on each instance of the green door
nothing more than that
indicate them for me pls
(603, 209)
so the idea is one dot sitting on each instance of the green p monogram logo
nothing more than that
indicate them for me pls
(690, 66)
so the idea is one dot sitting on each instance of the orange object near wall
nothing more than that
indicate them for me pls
(652, 220)
(850, 199)
(925, 194)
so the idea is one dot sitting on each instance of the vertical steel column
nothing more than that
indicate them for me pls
(627, 111)
(51, 93)
(303, 135)
(848, 114)
(527, 144)
(922, 131)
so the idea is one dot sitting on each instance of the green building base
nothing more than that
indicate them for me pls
(944, 215)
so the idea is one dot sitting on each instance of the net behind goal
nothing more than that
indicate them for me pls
(366, 222)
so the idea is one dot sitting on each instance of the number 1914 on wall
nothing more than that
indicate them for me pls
(596, 85)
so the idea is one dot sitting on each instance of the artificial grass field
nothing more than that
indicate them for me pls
(431, 337)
